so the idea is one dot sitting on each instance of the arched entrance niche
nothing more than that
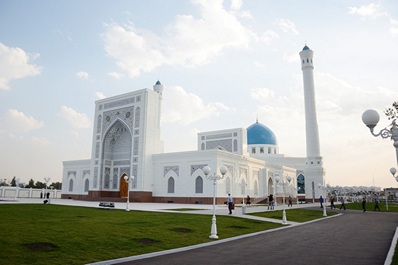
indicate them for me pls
(270, 186)
(300, 184)
(124, 186)
(116, 153)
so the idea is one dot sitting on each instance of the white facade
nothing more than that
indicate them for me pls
(126, 141)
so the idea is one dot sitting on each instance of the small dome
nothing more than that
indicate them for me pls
(305, 48)
(258, 133)
(158, 83)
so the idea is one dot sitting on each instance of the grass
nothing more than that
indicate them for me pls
(294, 215)
(54, 234)
(392, 207)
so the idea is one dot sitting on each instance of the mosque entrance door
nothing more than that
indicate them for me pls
(123, 186)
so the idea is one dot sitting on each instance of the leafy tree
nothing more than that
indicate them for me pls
(392, 113)
(40, 185)
(57, 185)
(3, 182)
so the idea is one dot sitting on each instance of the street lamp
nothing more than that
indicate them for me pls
(128, 180)
(320, 186)
(214, 178)
(16, 188)
(370, 117)
(46, 180)
(283, 184)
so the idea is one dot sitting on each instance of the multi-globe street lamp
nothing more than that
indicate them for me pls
(214, 177)
(128, 181)
(283, 184)
(371, 117)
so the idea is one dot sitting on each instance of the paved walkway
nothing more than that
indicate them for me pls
(353, 237)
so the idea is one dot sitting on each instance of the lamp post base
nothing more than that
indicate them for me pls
(284, 220)
(213, 233)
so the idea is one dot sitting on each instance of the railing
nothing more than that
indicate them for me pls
(17, 192)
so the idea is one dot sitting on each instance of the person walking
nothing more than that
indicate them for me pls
(321, 201)
(364, 204)
(377, 205)
(270, 202)
(332, 206)
(342, 203)
(230, 203)
(290, 200)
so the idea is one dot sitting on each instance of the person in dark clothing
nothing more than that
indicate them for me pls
(342, 203)
(377, 205)
(321, 201)
(364, 204)
(230, 203)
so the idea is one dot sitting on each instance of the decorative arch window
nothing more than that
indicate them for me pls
(71, 185)
(107, 181)
(86, 185)
(228, 185)
(235, 145)
(170, 185)
(301, 184)
(199, 185)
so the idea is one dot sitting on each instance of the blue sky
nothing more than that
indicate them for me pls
(223, 63)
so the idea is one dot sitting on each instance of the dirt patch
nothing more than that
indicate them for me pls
(238, 227)
(182, 230)
(40, 246)
(146, 241)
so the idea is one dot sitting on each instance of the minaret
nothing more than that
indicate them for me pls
(311, 124)
(314, 171)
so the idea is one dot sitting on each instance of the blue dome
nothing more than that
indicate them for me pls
(260, 134)
(305, 48)
(158, 83)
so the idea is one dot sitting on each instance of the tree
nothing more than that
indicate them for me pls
(13, 182)
(56, 185)
(40, 185)
(31, 184)
(392, 113)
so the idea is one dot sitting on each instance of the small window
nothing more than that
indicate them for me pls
(253, 150)
(308, 61)
(269, 150)
(199, 185)
(262, 150)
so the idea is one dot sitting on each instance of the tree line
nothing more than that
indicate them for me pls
(31, 184)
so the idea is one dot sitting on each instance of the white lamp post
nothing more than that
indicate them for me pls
(323, 188)
(128, 180)
(283, 184)
(46, 180)
(214, 177)
(370, 117)
(16, 188)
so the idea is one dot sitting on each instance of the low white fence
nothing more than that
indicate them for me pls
(17, 192)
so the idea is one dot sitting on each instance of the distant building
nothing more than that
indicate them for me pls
(126, 142)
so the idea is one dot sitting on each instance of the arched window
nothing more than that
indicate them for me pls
(71, 185)
(107, 180)
(243, 187)
(170, 185)
(86, 185)
(227, 185)
(199, 185)
(235, 145)
(203, 146)
(300, 184)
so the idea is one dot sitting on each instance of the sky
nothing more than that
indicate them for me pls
(223, 63)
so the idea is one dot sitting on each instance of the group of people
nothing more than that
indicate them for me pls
(332, 206)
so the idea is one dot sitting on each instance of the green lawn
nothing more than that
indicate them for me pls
(54, 234)
(294, 215)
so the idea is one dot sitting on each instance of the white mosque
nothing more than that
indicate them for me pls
(126, 142)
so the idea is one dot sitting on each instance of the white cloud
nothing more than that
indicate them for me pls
(41, 141)
(138, 51)
(14, 63)
(186, 108)
(115, 75)
(100, 95)
(17, 122)
(292, 58)
(268, 36)
(287, 26)
(370, 11)
(82, 75)
(393, 27)
(76, 120)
